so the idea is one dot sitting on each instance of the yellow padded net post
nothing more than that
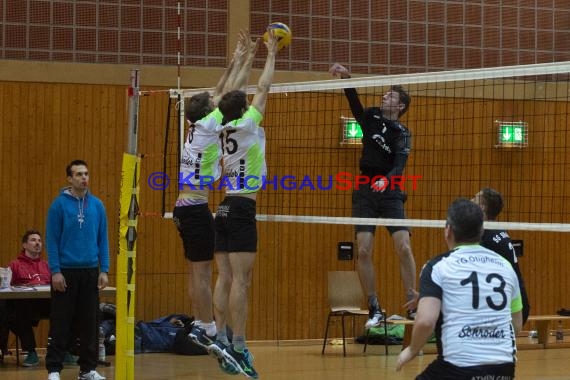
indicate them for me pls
(124, 361)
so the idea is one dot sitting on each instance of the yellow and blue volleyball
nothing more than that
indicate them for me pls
(282, 32)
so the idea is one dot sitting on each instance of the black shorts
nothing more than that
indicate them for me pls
(195, 225)
(236, 228)
(441, 370)
(367, 203)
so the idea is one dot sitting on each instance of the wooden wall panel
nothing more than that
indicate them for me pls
(44, 126)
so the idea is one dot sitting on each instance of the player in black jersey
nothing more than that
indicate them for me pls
(491, 202)
(385, 149)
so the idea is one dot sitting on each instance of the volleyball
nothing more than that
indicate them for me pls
(281, 31)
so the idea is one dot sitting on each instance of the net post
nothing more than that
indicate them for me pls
(127, 241)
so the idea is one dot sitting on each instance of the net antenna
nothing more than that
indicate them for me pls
(179, 43)
(456, 151)
(175, 135)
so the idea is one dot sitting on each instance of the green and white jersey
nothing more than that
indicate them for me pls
(200, 161)
(478, 290)
(243, 146)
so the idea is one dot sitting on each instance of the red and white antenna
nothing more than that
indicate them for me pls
(179, 43)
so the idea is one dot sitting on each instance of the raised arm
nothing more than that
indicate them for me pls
(351, 95)
(230, 72)
(264, 83)
(239, 78)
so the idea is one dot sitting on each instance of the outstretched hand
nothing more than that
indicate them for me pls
(242, 45)
(339, 70)
(251, 46)
(271, 43)
(245, 42)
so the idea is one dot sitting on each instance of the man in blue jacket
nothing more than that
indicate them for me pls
(78, 257)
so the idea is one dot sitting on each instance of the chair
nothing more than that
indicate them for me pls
(17, 349)
(4, 346)
(7, 317)
(5, 329)
(345, 299)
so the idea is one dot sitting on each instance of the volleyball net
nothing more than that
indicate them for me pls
(505, 128)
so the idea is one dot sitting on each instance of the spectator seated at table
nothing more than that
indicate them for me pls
(29, 269)
(22, 315)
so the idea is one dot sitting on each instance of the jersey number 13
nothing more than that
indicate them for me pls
(473, 279)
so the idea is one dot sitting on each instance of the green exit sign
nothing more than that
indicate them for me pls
(351, 131)
(512, 133)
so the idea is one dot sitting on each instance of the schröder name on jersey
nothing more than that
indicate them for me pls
(482, 332)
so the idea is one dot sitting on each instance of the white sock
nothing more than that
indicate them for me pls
(210, 328)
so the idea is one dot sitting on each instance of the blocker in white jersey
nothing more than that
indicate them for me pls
(470, 297)
(200, 168)
(200, 161)
(243, 146)
(236, 231)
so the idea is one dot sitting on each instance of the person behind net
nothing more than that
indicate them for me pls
(470, 296)
(29, 269)
(491, 202)
(386, 145)
(78, 258)
(200, 167)
(236, 231)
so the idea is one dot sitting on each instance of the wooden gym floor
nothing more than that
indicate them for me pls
(300, 362)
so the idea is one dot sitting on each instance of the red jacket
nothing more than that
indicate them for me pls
(28, 271)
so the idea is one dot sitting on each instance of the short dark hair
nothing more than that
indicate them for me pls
(466, 221)
(492, 201)
(28, 233)
(232, 105)
(404, 98)
(198, 107)
(74, 163)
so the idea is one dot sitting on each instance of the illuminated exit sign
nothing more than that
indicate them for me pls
(512, 133)
(351, 131)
